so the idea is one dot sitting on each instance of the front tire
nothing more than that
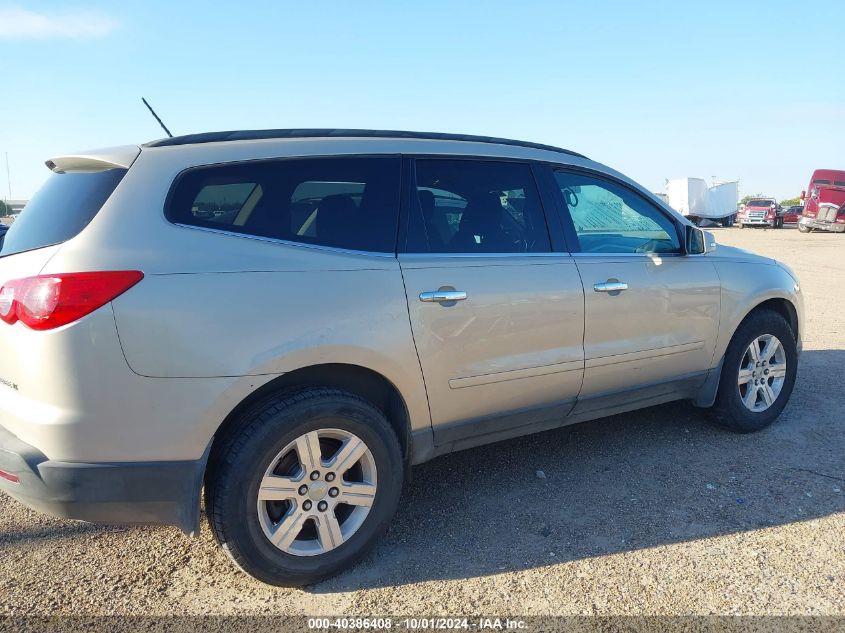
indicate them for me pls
(304, 485)
(758, 373)
(803, 228)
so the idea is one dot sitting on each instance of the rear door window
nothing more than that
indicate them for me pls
(350, 203)
(60, 209)
(475, 206)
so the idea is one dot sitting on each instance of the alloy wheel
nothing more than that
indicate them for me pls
(317, 492)
(762, 373)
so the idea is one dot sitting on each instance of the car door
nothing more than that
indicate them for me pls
(497, 317)
(651, 312)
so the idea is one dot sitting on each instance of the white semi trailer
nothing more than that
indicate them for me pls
(694, 199)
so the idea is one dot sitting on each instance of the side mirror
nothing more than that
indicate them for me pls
(699, 242)
(803, 195)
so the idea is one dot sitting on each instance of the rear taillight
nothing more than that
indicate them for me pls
(50, 301)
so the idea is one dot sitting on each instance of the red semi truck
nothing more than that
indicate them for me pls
(824, 202)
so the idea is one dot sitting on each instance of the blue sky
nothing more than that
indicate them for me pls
(749, 90)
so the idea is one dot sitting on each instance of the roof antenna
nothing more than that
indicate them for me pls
(153, 112)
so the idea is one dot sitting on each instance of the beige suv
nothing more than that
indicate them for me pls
(288, 320)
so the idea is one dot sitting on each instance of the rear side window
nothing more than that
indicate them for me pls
(60, 209)
(474, 206)
(349, 203)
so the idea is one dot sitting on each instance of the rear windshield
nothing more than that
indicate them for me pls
(60, 209)
(760, 203)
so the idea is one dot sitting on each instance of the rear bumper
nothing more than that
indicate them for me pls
(821, 225)
(147, 493)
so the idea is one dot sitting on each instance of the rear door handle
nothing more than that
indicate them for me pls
(611, 286)
(443, 296)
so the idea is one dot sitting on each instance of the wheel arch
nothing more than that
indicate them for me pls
(781, 305)
(361, 381)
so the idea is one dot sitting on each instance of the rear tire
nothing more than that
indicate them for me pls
(752, 393)
(288, 497)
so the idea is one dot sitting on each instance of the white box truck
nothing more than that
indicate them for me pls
(694, 199)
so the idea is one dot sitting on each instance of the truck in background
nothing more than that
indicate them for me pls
(824, 202)
(761, 212)
(692, 198)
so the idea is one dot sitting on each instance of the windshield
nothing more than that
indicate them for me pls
(760, 203)
(63, 206)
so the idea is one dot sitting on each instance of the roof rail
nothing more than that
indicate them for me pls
(251, 135)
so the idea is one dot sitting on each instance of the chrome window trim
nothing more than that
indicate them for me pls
(481, 255)
(273, 240)
(649, 255)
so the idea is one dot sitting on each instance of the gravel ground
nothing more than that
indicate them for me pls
(652, 512)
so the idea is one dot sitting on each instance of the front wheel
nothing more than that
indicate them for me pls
(304, 485)
(803, 228)
(758, 373)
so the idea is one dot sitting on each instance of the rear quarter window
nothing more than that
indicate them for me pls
(350, 203)
(60, 210)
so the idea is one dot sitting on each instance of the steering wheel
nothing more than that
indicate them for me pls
(650, 246)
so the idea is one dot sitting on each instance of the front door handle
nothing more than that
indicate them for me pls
(613, 286)
(443, 296)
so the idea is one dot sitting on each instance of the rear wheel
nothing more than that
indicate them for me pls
(758, 373)
(304, 486)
